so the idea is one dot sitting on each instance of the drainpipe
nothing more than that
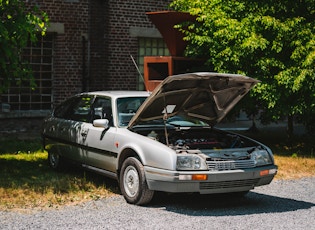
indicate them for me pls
(86, 54)
(84, 77)
(89, 46)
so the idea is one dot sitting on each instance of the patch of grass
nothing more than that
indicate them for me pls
(294, 167)
(26, 181)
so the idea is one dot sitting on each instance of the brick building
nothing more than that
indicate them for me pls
(89, 46)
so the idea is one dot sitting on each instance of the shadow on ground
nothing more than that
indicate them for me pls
(226, 205)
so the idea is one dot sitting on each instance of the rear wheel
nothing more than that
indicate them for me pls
(133, 183)
(55, 160)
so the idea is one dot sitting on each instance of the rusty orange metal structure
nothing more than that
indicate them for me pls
(165, 22)
(157, 68)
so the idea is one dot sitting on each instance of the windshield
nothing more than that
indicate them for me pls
(181, 120)
(127, 108)
(178, 120)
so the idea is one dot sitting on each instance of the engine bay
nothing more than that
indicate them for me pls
(203, 138)
(220, 149)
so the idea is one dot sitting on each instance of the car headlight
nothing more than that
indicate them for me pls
(261, 157)
(190, 162)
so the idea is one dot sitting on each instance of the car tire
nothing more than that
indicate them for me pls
(133, 183)
(55, 160)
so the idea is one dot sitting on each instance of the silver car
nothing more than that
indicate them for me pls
(163, 141)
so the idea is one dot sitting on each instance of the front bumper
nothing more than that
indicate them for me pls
(215, 182)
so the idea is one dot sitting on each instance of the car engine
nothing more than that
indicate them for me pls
(199, 138)
(221, 150)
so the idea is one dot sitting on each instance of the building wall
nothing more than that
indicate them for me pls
(92, 44)
(122, 18)
(68, 49)
(93, 50)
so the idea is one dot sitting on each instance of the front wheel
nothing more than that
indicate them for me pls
(133, 184)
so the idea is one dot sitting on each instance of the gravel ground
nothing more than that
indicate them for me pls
(280, 205)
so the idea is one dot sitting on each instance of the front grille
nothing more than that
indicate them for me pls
(231, 164)
(229, 184)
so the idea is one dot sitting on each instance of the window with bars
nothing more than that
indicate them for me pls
(24, 97)
(150, 47)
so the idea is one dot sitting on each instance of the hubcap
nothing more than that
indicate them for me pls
(131, 181)
(54, 159)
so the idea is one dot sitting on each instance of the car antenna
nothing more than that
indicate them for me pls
(142, 78)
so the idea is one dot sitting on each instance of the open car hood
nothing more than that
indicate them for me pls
(205, 96)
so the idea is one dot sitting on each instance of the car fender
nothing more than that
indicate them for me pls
(151, 152)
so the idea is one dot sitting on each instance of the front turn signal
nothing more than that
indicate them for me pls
(199, 177)
(264, 173)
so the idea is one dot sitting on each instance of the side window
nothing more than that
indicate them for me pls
(82, 109)
(102, 109)
(76, 108)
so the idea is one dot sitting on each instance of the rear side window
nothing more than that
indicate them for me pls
(64, 108)
(76, 108)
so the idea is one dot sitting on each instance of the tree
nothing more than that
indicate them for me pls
(273, 41)
(18, 26)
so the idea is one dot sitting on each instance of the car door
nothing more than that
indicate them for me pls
(71, 128)
(99, 141)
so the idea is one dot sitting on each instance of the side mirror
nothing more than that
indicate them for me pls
(101, 123)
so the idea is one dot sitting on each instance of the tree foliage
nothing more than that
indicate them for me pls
(18, 26)
(273, 41)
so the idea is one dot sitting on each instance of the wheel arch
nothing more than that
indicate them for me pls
(127, 152)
